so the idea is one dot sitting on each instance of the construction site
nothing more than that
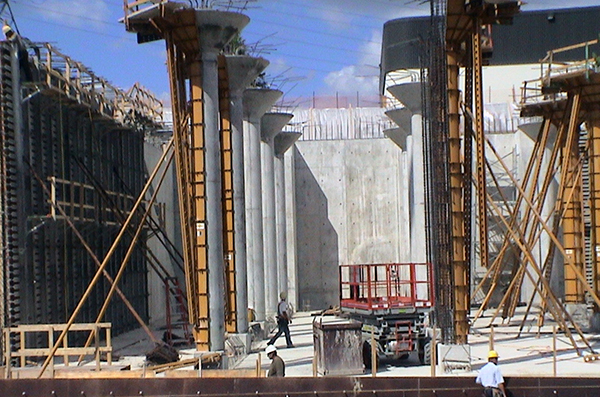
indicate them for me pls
(146, 244)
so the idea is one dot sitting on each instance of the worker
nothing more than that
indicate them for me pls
(277, 367)
(22, 54)
(491, 378)
(283, 320)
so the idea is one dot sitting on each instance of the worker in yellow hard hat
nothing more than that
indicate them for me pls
(491, 378)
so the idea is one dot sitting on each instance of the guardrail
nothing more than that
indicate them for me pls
(542, 89)
(386, 286)
(20, 333)
(77, 83)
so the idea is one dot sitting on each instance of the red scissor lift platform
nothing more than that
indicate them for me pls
(392, 301)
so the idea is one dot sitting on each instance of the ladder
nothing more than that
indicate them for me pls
(176, 310)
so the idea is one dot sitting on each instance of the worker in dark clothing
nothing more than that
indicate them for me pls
(283, 319)
(22, 54)
(277, 367)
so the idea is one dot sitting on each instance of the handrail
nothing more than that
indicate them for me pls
(80, 84)
(386, 286)
(534, 91)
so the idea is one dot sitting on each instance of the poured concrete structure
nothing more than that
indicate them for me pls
(271, 125)
(283, 141)
(256, 103)
(215, 30)
(242, 71)
(410, 95)
(348, 211)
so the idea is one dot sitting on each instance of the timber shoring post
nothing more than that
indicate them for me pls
(130, 252)
(104, 262)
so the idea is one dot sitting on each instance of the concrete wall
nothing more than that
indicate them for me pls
(349, 210)
(167, 197)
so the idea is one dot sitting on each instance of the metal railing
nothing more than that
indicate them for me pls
(79, 84)
(542, 89)
(386, 286)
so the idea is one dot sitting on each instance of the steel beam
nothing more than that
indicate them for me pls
(301, 387)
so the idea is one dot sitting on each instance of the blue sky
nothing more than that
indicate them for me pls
(320, 46)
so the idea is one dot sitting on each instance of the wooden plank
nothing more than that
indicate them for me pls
(232, 373)
(181, 373)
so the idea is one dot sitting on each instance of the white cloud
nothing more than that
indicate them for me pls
(349, 80)
(362, 77)
(78, 13)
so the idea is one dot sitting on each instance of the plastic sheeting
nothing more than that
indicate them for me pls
(340, 124)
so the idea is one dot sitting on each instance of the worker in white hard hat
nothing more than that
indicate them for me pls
(277, 367)
(491, 378)
(283, 321)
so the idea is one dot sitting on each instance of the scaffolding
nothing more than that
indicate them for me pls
(65, 133)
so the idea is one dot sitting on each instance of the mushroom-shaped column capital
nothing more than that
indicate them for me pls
(257, 101)
(284, 140)
(216, 28)
(243, 69)
(272, 123)
(409, 94)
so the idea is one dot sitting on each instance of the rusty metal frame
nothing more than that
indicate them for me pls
(460, 267)
(452, 386)
(593, 127)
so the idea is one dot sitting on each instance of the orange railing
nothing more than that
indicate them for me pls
(386, 286)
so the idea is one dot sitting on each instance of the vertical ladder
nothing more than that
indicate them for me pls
(174, 300)
(189, 157)
(227, 195)
(197, 191)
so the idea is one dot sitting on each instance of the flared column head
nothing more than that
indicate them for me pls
(398, 136)
(216, 28)
(284, 140)
(409, 94)
(257, 101)
(243, 69)
(272, 123)
(401, 116)
(532, 130)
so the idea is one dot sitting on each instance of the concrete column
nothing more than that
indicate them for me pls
(215, 29)
(410, 95)
(542, 247)
(271, 125)
(283, 141)
(289, 166)
(242, 70)
(402, 138)
(256, 103)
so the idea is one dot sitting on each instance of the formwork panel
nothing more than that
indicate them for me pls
(46, 268)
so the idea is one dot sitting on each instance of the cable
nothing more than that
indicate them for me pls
(339, 11)
(69, 15)
(124, 37)
(314, 31)
(324, 46)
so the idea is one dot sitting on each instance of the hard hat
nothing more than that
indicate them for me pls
(270, 349)
(283, 295)
(493, 354)
(6, 28)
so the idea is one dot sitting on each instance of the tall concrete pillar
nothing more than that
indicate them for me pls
(256, 103)
(402, 138)
(283, 141)
(542, 247)
(215, 29)
(410, 95)
(271, 125)
(242, 71)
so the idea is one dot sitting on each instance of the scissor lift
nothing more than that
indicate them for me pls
(392, 301)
